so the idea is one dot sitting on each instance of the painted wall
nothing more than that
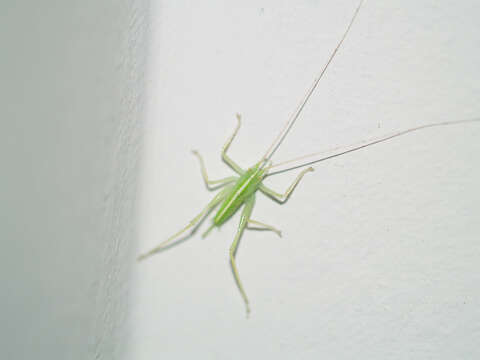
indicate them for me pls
(71, 90)
(380, 256)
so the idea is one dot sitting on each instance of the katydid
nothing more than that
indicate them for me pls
(240, 191)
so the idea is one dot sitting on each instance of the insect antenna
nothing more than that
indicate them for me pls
(286, 129)
(329, 154)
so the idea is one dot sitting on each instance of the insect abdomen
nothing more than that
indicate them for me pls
(245, 186)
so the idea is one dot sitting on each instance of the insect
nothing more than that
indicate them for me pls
(240, 191)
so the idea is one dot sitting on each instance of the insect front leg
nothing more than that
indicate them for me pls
(215, 201)
(262, 226)
(225, 157)
(208, 182)
(283, 197)
(246, 212)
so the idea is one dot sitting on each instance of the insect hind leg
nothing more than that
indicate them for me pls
(246, 212)
(214, 202)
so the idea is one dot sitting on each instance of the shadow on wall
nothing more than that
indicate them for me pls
(73, 94)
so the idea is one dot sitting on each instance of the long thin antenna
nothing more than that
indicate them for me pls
(363, 144)
(286, 129)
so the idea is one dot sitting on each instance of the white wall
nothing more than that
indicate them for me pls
(380, 255)
(71, 94)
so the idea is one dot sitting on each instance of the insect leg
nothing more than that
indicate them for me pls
(208, 182)
(262, 227)
(225, 157)
(215, 201)
(283, 197)
(247, 210)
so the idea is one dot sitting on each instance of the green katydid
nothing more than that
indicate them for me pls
(241, 190)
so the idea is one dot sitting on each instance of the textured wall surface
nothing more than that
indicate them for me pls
(71, 95)
(380, 255)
